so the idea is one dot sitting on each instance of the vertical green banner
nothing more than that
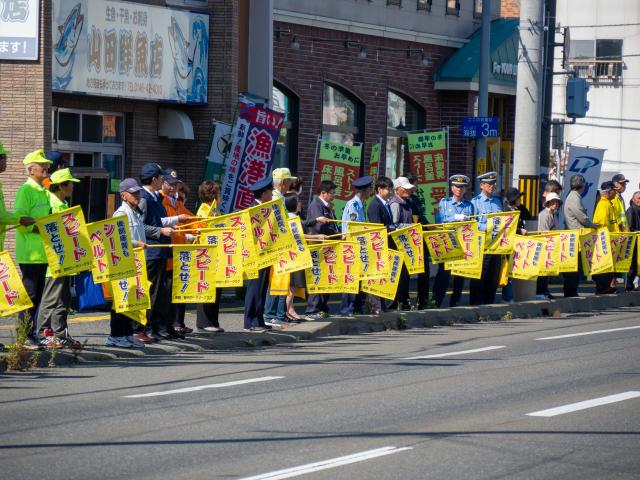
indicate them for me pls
(339, 163)
(374, 160)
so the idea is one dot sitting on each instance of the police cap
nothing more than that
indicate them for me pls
(459, 180)
(261, 185)
(489, 177)
(363, 182)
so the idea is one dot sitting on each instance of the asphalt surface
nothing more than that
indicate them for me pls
(451, 416)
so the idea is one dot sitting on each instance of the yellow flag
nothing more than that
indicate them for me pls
(386, 287)
(112, 250)
(443, 246)
(550, 254)
(271, 232)
(194, 274)
(569, 250)
(66, 242)
(335, 268)
(526, 260)
(13, 296)
(139, 316)
(132, 294)
(206, 210)
(595, 249)
(622, 245)
(359, 226)
(229, 267)
(298, 258)
(373, 247)
(408, 240)
(241, 220)
(472, 242)
(501, 229)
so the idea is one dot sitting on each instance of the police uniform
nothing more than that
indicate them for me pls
(451, 211)
(256, 289)
(354, 212)
(483, 290)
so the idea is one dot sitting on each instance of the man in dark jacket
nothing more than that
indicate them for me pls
(418, 215)
(402, 217)
(633, 218)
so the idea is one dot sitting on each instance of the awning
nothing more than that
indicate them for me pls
(174, 124)
(461, 70)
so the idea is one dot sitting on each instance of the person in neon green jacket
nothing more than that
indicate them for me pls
(32, 200)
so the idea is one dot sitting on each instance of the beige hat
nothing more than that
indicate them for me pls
(550, 197)
(404, 183)
(282, 174)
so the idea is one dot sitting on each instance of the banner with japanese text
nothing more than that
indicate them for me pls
(595, 252)
(139, 316)
(373, 246)
(242, 221)
(443, 246)
(194, 274)
(229, 268)
(13, 296)
(622, 248)
(472, 242)
(386, 287)
(298, 258)
(501, 230)
(271, 232)
(428, 161)
(526, 260)
(132, 294)
(569, 251)
(339, 163)
(408, 240)
(254, 139)
(66, 242)
(335, 268)
(374, 160)
(112, 250)
(550, 266)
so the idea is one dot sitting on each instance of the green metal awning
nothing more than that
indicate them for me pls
(460, 71)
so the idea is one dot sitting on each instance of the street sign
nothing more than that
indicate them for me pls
(479, 127)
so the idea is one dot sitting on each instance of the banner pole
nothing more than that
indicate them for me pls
(313, 170)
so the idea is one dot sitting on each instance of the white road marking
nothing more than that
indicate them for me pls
(574, 407)
(450, 354)
(588, 333)
(326, 464)
(203, 387)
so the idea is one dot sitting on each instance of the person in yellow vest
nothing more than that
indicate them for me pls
(32, 200)
(605, 215)
(620, 184)
(6, 217)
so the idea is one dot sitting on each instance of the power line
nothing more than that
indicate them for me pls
(607, 25)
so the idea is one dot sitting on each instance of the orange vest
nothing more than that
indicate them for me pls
(178, 237)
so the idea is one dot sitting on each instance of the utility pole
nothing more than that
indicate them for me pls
(549, 45)
(483, 77)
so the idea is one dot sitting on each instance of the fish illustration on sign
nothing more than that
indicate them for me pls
(190, 60)
(65, 49)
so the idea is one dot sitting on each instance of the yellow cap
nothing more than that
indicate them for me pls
(37, 156)
(282, 174)
(63, 175)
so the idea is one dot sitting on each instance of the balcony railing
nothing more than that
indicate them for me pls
(598, 71)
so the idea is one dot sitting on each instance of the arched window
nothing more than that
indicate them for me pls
(403, 115)
(284, 101)
(342, 116)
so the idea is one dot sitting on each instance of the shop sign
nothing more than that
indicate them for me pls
(132, 50)
(19, 34)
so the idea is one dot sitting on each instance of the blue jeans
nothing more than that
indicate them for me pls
(274, 307)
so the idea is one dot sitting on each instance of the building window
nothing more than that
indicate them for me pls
(342, 116)
(397, 3)
(424, 5)
(284, 101)
(403, 115)
(477, 8)
(599, 61)
(453, 7)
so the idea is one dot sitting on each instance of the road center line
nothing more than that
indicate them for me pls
(327, 464)
(203, 387)
(574, 407)
(589, 333)
(450, 354)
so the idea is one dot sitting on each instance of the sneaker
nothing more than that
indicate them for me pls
(51, 342)
(181, 329)
(541, 297)
(120, 342)
(316, 316)
(142, 338)
(68, 341)
(134, 343)
(274, 322)
(32, 344)
(211, 330)
(255, 330)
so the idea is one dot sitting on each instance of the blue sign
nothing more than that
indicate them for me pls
(479, 127)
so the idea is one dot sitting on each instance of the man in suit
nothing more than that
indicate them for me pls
(321, 208)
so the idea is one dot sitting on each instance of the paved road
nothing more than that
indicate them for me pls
(483, 405)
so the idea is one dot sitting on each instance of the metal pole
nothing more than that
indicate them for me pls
(313, 171)
(483, 80)
(549, 41)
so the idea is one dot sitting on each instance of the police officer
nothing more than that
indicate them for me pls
(452, 209)
(354, 212)
(483, 290)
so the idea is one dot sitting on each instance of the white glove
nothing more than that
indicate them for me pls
(460, 217)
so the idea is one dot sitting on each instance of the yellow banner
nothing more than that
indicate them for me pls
(359, 226)
(526, 260)
(335, 268)
(408, 240)
(139, 316)
(443, 246)
(132, 294)
(13, 296)
(595, 249)
(373, 247)
(501, 230)
(242, 221)
(386, 287)
(298, 258)
(271, 232)
(207, 210)
(66, 242)
(622, 245)
(112, 250)
(472, 242)
(194, 274)
(569, 250)
(229, 267)
(550, 254)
